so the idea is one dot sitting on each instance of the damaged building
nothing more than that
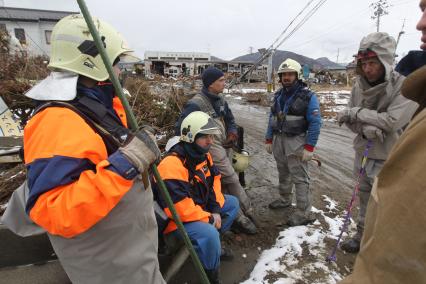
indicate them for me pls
(175, 64)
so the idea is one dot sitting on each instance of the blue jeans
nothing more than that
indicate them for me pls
(205, 237)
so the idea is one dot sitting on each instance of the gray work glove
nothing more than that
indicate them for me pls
(348, 115)
(372, 132)
(141, 150)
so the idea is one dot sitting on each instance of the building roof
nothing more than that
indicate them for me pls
(30, 15)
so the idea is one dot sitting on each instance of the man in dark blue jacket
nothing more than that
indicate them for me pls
(293, 131)
(211, 102)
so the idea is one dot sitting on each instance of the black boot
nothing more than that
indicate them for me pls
(300, 218)
(213, 276)
(245, 225)
(352, 245)
(279, 203)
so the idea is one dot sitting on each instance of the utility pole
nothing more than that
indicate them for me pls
(270, 71)
(337, 59)
(399, 35)
(380, 9)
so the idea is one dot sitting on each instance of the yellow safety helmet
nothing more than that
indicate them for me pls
(290, 65)
(73, 47)
(240, 161)
(197, 122)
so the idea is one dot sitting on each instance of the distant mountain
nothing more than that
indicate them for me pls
(281, 55)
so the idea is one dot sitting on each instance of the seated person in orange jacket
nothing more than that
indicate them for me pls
(194, 185)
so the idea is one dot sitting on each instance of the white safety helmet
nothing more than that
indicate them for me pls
(73, 47)
(240, 161)
(290, 65)
(197, 122)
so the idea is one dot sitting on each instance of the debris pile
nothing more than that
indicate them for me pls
(18, 73)
(11, 177)
(158, 108)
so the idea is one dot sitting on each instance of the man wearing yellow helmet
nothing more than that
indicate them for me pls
(84, 164)
(292, 133)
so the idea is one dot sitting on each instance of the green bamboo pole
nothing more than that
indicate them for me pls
(133, 125)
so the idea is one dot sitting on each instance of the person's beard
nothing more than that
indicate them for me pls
(287, 83)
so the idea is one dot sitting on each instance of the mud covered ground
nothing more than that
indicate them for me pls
(332, 184)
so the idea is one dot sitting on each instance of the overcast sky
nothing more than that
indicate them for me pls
(228, 28)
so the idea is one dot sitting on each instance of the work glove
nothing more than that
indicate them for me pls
(141, 149)
(268, 146)
(230, 141)
(348, 115)
(308, 153)
(371, 132)
(217, 220)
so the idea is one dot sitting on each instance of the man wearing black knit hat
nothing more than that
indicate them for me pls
(211, 102)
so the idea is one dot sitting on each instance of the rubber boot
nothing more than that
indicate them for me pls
(300, 218)
(353, 244)
(213, 276)
(279, 203)
(243, 224)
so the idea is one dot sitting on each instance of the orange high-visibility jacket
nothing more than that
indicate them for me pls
(196, 194)
(73, 181)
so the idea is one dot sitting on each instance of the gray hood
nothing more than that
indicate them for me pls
(384, 46)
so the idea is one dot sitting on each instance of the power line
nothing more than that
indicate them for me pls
(333, 27)
(304, 20)
(308, 15)
(291, 22)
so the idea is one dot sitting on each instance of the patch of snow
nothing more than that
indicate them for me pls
(244, 91)
(238, 98)
(300, 242)
(331, 203)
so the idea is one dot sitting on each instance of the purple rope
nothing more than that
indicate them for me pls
(332, 256)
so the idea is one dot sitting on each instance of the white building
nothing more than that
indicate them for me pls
(31, 27)
(175, 63)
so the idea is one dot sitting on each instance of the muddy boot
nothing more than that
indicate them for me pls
(352, 245)
(245, 225)
(299, 218)
(279, 203)
(213, 276)
(226, 254)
